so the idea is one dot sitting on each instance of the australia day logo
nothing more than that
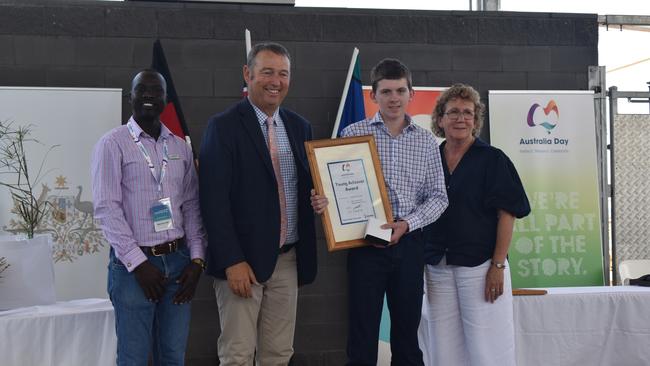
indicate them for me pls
(548, 119)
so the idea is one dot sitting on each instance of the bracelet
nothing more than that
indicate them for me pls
(499, 265)
(200, 262)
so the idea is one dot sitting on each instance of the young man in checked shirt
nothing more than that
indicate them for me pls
(412, 168)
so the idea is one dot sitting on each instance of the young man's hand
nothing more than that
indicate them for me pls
(399, 229)
(318, 202)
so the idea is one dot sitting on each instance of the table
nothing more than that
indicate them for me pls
(584, 326)
(78, 332)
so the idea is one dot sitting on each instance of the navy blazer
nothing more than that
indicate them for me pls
(239, 194)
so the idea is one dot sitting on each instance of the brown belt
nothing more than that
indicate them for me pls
(164, 248)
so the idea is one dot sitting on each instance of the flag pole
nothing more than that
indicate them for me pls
(247, 46)
(337, 122)
(247, 36)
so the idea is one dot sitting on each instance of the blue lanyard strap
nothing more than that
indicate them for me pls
(147, 158)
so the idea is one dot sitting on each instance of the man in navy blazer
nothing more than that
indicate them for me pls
(254, 190)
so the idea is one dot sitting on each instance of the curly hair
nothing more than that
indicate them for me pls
(458, 91)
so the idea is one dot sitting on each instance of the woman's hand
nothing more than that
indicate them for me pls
(493, 283)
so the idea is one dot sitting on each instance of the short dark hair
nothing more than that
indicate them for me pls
(391, 69)
(276, 48)
(463, 92)
(150, 71)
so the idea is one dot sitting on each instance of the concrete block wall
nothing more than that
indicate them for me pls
(102, 44)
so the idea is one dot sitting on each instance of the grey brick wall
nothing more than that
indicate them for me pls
(101, 44)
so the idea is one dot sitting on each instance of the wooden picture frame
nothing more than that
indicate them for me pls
(348, 172)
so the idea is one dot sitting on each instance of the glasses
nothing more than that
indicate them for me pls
(455, 115)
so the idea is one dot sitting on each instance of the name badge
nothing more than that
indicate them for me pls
(161, 214)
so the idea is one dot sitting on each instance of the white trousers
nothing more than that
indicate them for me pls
(459, 327)
(260, 327)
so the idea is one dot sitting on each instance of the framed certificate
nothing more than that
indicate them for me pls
(347, 171)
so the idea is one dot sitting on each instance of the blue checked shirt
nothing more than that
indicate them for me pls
(287, 169)
(412, 170)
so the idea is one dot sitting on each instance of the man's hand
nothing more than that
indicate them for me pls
(399, 229)
(188, 281)
(318, 202)
(240, 277)
(151, 280)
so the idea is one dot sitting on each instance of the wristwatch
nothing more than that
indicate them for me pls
(499, 265)
(200, 262)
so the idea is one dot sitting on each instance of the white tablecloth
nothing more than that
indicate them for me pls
(584, 326)
(78, 332)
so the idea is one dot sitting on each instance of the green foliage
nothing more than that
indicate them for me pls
(15, 175)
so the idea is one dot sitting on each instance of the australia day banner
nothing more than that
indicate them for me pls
(550, 136)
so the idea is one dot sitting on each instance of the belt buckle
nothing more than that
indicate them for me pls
(155, 253)
(170, 248)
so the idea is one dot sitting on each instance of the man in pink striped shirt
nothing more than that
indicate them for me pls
(145, 192)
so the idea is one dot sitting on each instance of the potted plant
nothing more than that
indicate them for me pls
(30, 279)
(15, 175)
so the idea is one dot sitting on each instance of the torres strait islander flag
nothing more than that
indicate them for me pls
(172, 116)
(351, 108)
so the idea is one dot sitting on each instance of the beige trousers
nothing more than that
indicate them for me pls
(259, 328)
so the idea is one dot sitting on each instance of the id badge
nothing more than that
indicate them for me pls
(161, 213)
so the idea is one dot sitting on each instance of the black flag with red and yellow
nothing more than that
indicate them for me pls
(172, 116)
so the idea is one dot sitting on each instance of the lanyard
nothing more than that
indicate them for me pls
(147, 157)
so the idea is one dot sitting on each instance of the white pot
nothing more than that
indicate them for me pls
(29, 280)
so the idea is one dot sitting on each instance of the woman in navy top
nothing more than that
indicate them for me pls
(467, 315)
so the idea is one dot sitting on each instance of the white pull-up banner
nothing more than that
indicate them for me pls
(74, 119)
(550, 136)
